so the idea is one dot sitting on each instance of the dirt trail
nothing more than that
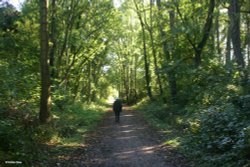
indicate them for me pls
(130, 143)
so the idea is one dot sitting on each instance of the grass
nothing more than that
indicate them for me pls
(72, 124)
(201, 133)
(68, 130)
(159, 117)
(32, 143)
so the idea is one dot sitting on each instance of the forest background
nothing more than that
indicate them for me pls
(184, 63)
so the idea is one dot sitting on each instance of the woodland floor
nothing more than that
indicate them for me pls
(130, 143)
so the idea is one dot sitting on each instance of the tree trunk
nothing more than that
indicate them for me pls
(89, 82)
(53, 38)
(68, 30)
(150, 30)
(206, 31)
(145, 56)
(135, 77)
(162, 32)
(205, 34)
(170, 73)
(228, 49)
(45, 99)
(248, 42)
(125, 82)
(234, 15)
(218, 34)
(146, 63)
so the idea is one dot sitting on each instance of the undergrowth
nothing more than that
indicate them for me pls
(211, 136)
(24, 139)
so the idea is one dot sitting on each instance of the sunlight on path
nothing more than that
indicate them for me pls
(130, 144)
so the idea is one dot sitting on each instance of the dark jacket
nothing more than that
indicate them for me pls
(117, 106)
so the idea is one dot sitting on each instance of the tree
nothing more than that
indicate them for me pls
(8, 16)
(146, 61)
(198, 47)
(166, 52)
(234, 16)
(45, 99)
(150, 29)
(53, 38)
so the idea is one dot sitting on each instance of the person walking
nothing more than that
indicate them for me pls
(117, 108)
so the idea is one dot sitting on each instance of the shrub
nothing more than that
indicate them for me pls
(219, 137)
(18, 141)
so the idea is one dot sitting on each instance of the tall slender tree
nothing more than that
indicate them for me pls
(152, 41)
(146, 61)
(45, 99)
(228, 48)
(166, 52)
(234, 16)
(53, 38)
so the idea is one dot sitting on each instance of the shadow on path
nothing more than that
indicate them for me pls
(130, 143)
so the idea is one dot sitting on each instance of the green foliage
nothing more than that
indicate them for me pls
(77, 119)
(8, 16)
(243, 102)
(209, 135)
(23, 138)
(19, 77)
(101, 47)
(208, 85)
(18, 137)
(155, 113)
(218, 136)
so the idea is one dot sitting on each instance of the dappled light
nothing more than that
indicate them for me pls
(125, 126)
(152, 83)
(139, 151)
(127, 115)
(128, 143)
(110, 99)
(127, 131)
(126, 137)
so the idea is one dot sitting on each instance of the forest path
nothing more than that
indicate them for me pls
(130, 143)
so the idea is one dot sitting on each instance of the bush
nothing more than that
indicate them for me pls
(243, 102)
(219, 138)
(18, 141)
(24, 139)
